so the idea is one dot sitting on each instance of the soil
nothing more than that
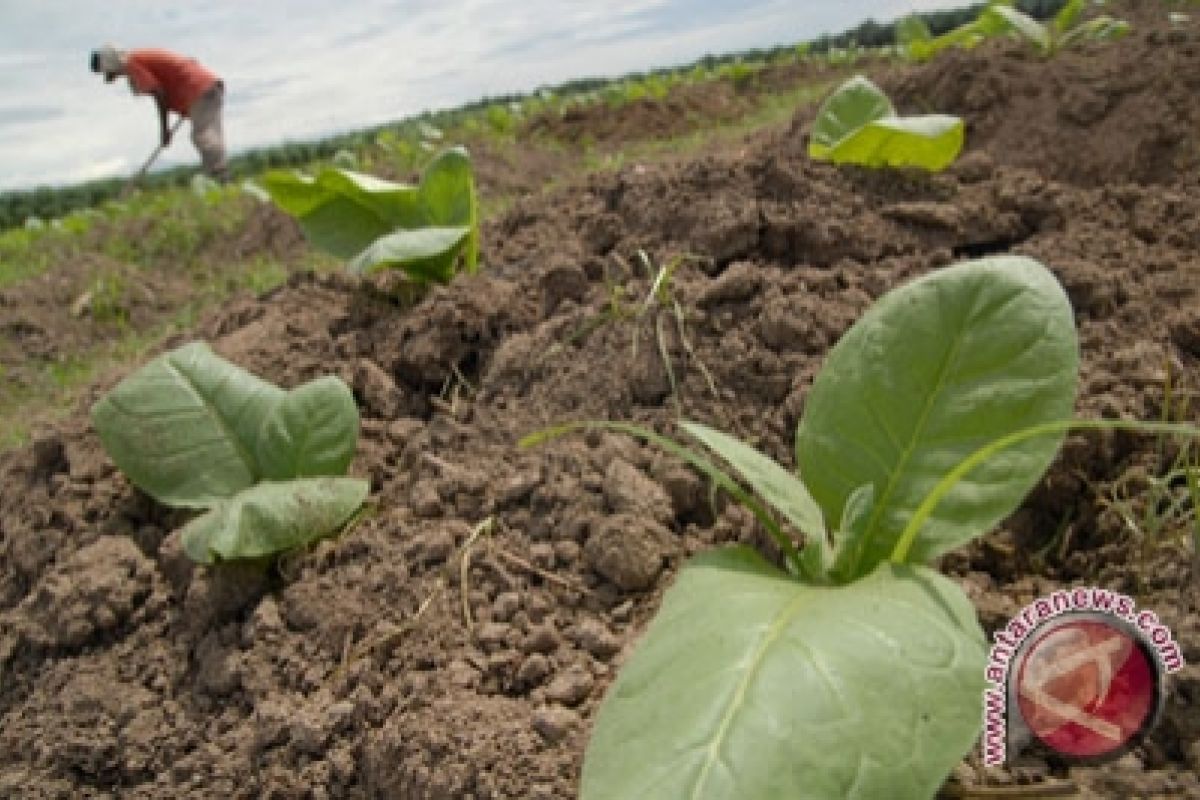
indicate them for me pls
(427, 654)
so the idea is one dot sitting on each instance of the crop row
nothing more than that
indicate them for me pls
(502, 114)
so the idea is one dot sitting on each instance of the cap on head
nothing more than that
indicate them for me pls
(108, 60)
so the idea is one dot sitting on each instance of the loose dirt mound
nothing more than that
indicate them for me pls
(368, 667)
(613, 121)
(1096, 116)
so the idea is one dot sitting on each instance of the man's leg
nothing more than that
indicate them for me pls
(207, 134)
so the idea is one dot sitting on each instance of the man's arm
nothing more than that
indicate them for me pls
(161, 103)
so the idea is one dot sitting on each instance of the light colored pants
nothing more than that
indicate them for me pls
(206, 130)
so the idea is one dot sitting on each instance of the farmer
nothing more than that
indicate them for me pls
(178, 84)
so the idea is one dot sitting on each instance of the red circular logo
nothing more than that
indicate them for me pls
(1087, 686)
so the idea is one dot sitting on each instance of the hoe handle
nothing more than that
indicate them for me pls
(137, 177)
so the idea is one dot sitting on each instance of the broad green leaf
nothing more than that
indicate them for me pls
(184, 427)
(340, 211)
(347, 214)
(932, 372)
(781, 489)
(312, 431)
(856, 103)
(857, 125)
(752, 686)
(428, 254)
(393, 203)
(931, 142)
(272, 517)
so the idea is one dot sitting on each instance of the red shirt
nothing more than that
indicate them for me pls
(181, 80)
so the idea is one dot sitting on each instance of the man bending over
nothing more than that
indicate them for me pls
(177, 83)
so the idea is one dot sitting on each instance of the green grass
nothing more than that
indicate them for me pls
(55, 386)
(773, 110)
(26, 253)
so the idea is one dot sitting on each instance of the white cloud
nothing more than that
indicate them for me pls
(107, 168)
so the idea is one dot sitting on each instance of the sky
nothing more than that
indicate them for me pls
(297, 70)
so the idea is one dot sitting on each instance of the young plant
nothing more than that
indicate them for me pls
(266, 465)
(857, 124)
(917, 43)
(661, 299)
(1064, 30)
(1158, 503)
(856, 671)
(426, 230)
(1000, 18)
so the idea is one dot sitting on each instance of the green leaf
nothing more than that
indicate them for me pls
(912, 29)
(379, 223)
(930, 142)
(1067, 16)
(934, 371)
(448, 197)
(312, 431)
(429, 254)
(184, 427)
(857, 125)
(341, 211)
(856, 103)
(914, 38)
(271, 518)
(784, 491)
(965, 36)
(752, 686)
(999, 19)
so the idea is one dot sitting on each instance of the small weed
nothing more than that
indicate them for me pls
(260, 276)
(108, 300)
(1157, 503)
(659, 302)
(615, 309)
(501, 120)
(27, 252)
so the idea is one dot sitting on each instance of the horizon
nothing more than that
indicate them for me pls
(495, 50)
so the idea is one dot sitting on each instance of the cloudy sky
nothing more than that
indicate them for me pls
(300, 69)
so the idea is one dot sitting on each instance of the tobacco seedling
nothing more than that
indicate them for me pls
(427, 231)
(1000, 18)
(855, 671)
(1064, 30)
(917, 43)
(857, 124)
(266, 465)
